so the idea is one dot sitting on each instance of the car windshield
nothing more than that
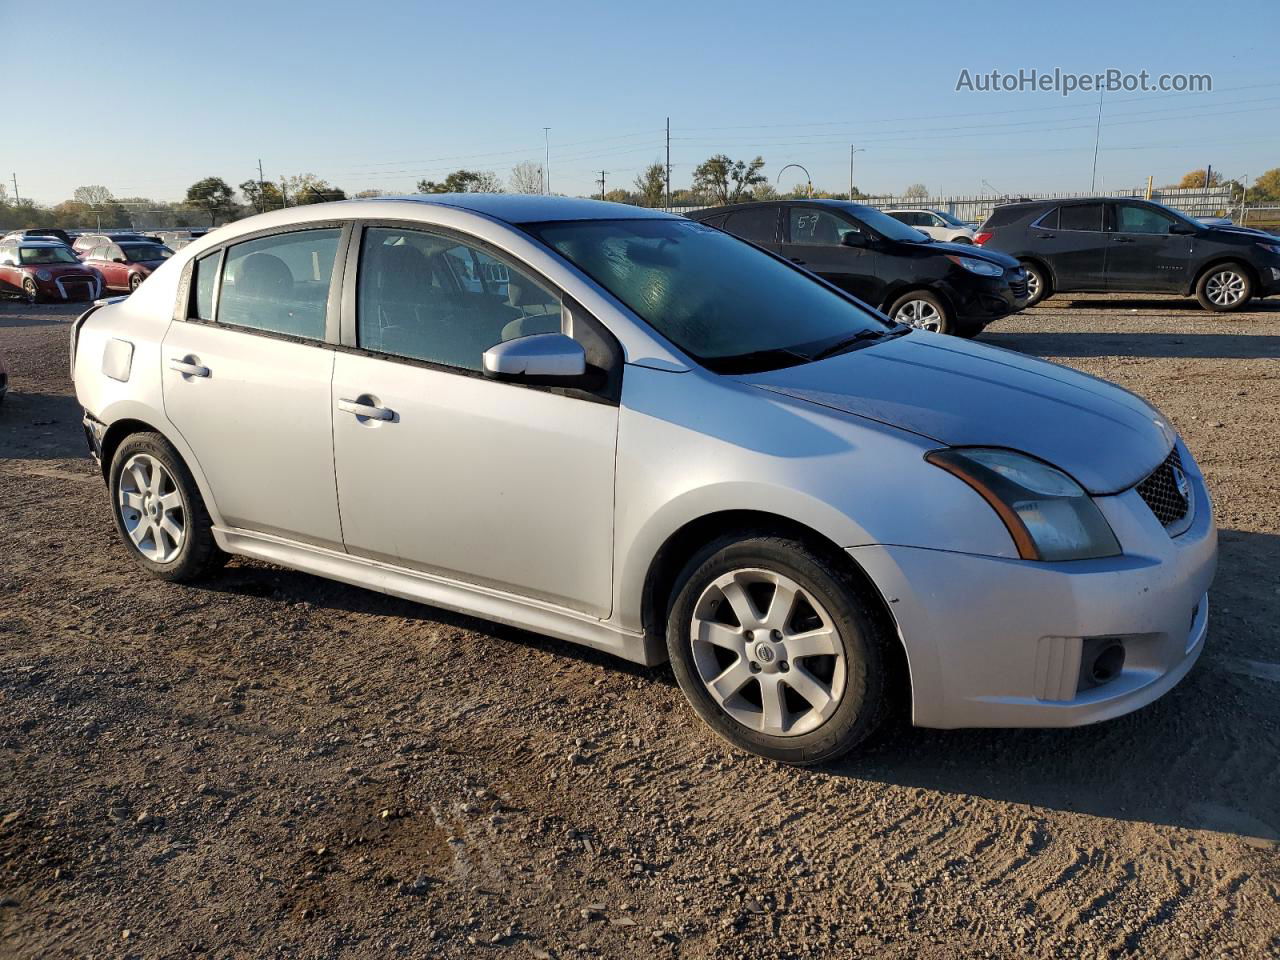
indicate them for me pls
(887, 226)
(46, 255)
(953, 220)
(729, 305)
(142, 252)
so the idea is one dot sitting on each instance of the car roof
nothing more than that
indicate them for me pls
(518, 208)
(38, 242)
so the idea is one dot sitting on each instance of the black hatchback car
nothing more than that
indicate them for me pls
(1107, 245)
(944, 287)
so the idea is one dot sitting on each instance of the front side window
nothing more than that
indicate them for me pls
(1131, 218)
(145, 252)
(818, 227)
(728, 305)
(280, 283)
(1081, 216)
(427, 297)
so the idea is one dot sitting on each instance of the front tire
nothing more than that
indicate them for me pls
(135, 281)
(158, 510)
(1037, 283)
(1224, 287)
(924, 311)
(777, 650)
(30, 290)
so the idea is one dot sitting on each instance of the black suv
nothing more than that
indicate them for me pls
(1107, 245)
(944, 287)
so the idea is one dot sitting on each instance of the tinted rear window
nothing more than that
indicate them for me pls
(1050, 220)
(758, 226)
(1081, 216)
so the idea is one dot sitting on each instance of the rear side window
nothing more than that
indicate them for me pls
(1082, 216)
(1003, 216)
(206, 270)
(1050, 220)
(759, 225)
(280, 283)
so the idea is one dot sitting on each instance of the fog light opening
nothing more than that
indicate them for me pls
(1107, 664)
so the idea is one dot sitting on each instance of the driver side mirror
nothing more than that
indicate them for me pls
(1181, 229)
(854, 238)
(117, 259)
(544, 358)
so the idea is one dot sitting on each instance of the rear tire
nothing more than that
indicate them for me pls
(803, 683)
(1224, 287)
(1037, 283)
(924, 311)
(158, 510)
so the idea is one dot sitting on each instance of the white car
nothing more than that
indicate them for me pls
(637, 432)
(935, 223)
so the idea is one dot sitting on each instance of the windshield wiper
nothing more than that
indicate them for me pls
(848, 343)
(758, 360)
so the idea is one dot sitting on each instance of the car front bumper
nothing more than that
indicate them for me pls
(980, 300)
(997, 642)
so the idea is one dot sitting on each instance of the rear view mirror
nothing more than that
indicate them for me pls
(539, 357)
(117, 259)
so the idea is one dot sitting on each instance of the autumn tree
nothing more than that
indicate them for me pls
(917, 191)
(1195, 179)
(1266, 187)
(93, 195)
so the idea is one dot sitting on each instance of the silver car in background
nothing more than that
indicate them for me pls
(628, 430)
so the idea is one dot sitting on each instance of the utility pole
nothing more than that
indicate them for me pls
(284, 193)
(546, 169)
(1097, 137)
(1244, 192)
(16, 199)
(668, 164)
(602, 173)
(852, 151)
(262, 194)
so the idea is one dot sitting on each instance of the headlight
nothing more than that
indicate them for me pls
(44, 275)
(1271, 247)
(1049, 515)
(983, 268)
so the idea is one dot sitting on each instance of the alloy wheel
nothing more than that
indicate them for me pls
(1033, 284)
(768, 653)
(29, 288)
(920, 314)
(1226, 288)
(151, 508)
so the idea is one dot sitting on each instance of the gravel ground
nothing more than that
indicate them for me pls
(273, 765)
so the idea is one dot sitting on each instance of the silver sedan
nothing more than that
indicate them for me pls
(632, 431)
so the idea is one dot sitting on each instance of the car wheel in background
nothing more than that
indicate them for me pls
(30, 290)
(962, 238)
(923, 311)
(159, 512)
(135, 281)
(1037, 283)
(777, 650)
(1226, 286)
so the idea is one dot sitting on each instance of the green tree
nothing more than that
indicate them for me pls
(463, 181)
(651, 185)
(262, 196)
(213, 196)
(727, 181)
(307, 188)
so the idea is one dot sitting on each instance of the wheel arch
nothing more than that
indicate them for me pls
(1219, 260)
(1045, 270)
(135, 421)
(907, 286)
(682, 544)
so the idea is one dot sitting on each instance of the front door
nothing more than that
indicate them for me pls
(1142, 254)
(443, 470)
(246, 382)
(815, 241)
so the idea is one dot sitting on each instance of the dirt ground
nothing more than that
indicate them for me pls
(273, 765)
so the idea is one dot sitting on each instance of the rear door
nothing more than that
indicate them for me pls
(760, 225)
(247, 381)
(814, 241)
(1073, 241)
(1142, 254)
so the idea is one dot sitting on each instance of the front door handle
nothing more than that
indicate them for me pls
(1045, 236)
(187, 368)
(367, 411)
(797, 261)
(1122, 240)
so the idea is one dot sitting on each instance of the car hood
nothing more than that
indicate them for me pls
(967, 394)
(57, 269)
(975, 252)
(1240, 232)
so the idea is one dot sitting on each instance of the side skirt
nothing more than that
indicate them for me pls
(465, 598)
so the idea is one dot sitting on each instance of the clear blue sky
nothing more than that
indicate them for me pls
(381, 94)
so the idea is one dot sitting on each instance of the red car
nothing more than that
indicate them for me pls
(46, 270)
(125, 264)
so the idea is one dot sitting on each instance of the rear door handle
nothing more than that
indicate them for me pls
(1122, 240)
(797, 261)
(1045, 236)
(366, 410)
(187, 368)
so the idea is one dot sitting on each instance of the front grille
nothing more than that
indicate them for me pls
(1166, 491)
(78, 288)
(1019, 287)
